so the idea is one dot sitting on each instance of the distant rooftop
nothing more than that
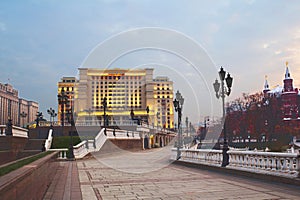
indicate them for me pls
(161, 78)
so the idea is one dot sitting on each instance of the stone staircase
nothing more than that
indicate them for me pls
(34, 144)
(13, 148)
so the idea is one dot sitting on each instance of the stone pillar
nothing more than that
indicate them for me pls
(143, 140)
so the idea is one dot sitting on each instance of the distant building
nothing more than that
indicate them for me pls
(129, 92)
(27, 111)
(288, 95)
(20, 111)
(67, 85)
(270, 116)
(163, 101)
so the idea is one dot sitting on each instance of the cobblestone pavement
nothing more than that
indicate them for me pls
(99, 181)
(65, 184)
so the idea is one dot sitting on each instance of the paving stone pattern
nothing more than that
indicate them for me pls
(98, 181)
(65, 184)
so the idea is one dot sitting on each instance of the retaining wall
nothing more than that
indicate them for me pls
(30, 181)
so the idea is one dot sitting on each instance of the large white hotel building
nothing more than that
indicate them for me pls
(126, 90)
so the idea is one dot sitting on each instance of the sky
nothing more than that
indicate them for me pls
(42, 41)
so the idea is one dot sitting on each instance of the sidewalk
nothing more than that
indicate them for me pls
(90, 179)
(65, 184)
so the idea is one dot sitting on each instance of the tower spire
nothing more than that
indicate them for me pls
(288, 81)
(266, 86)
(287, 72)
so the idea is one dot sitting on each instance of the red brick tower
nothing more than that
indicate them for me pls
(289, 97)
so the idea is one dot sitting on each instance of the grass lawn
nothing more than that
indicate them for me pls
(64, 142)
(6, 169)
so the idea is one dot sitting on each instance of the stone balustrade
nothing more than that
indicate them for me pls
(88, 146)
(48, 141)
(203, 156)
(80, 150)
(122, 134)
(272, 163)
(99, 140)
(16, 131)
(62, 153)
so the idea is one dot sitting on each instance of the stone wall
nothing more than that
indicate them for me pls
(30, 181)
(115, 145)
(128, 144)
(10, 148)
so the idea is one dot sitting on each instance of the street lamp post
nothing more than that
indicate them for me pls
(71, 120)
(104, 103)
(23, 115)
(157, 118)
(62, 100)
(224, 91)
(178, 104)
(39, 116)
(9, 124)
(187, 126)
(147, 110)
(132, 114)
(52, 114)
(204, 130)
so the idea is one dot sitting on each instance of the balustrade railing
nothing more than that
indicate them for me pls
(62, 153)
(87, 146)
(80, 150)
(122, 134)
(99, 140)
(203, 156)
(48, 141)
(273, 162)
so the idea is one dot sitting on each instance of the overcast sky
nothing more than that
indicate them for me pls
(42, 41)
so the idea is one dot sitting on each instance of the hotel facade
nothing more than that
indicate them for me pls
(131, 94)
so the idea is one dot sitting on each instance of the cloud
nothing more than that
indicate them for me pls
(265, 46)
(269, 44)
(278, 52)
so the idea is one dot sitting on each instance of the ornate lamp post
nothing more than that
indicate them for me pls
(178, 104)
(132, 115)
(23, 115)
(224, 91)
(204, 130)
(39, 116)
(52, 114)
(147, 110)
(187, 126)
(63, 101)
(8, 129)
(71, 120)
(104, 103)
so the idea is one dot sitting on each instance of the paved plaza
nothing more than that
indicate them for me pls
(97, 180)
